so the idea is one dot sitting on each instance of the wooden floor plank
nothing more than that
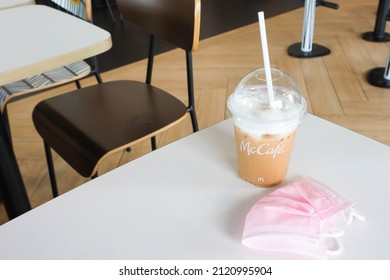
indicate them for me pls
(324, 99)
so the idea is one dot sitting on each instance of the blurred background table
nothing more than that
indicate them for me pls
(6, 4)
(34, 39)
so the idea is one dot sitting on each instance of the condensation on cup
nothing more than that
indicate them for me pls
(265, 133)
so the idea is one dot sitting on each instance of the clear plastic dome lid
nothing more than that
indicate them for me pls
(249, 105)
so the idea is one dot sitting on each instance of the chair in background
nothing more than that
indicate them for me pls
(63, 75)
(86, 125)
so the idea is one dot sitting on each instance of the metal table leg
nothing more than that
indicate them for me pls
(380, 76)
(379, 34)
(306, 48)
(12, 189)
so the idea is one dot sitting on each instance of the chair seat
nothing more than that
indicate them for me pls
(86, 125)
(58, 76)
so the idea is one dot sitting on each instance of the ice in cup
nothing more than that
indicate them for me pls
(265, 132)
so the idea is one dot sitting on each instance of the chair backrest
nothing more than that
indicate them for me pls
(79, 8)
(175, 21)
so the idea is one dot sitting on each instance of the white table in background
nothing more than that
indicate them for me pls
(35, 39)
(6, 4)
(185, 201)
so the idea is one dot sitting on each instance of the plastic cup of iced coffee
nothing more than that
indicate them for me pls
(265, 131)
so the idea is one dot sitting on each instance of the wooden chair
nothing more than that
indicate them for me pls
(86, 125)
(56, 77)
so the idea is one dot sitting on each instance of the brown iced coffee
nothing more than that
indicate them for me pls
(263, 161)
(265, 134)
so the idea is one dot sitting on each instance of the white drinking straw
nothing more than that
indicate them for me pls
(267, 66)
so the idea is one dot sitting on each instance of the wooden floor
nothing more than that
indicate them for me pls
(335, 86)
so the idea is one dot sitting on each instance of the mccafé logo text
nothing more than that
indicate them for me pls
(264, 149)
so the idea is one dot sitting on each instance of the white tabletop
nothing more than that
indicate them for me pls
(37, 38)
(186, 201)
(6, 4)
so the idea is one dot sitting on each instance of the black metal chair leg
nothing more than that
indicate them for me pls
(50, 166)
(194, 120)
(95, 70)
(110, 11)
(153, 142)
(95, 175)
(98, 77)
(7, 126)
(191, 97)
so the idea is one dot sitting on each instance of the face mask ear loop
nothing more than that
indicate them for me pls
(355, 214)
(337, 248)
(332, 236)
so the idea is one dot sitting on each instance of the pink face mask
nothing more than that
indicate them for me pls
(304, 217)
